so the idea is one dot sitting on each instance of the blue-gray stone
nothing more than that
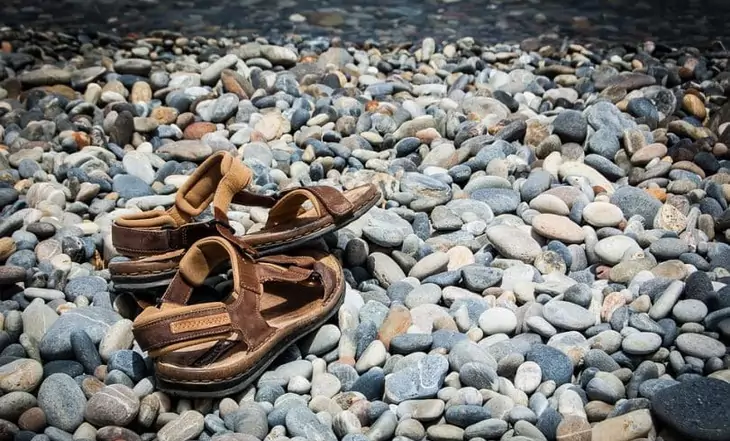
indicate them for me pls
(371, 384)
(365, 333)
(129, 362)
(500, 200)
(464, 415)
(56, 343)
(85, 350)
(643, 108)
(249, 419)
(408, 343)
(62, 401)
(477, 278)
(129, 186)
(538, 182)
(68, 367)
(555, 365)
(548, 422)
(86, 286)
(422, 380)
(478, 375)
(634, 201)
(302, 422)
(604, 142)
(269, 392)
(22, 258)
(446, 338)
(570, 126)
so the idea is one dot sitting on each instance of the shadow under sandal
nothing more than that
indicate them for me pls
(158, 238)
(216, 349)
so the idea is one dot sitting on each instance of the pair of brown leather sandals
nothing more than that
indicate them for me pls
(217, 348)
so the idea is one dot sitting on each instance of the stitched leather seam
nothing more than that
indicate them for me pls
(199, 324)
(180, 316)
(146, 272)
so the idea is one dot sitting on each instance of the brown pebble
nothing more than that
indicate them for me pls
(196, 130)
(233, 82)
(91, 385)
(100, 372)
(693, 105)
(443, 322)
(657, 193)
(33, 419)
(611, 303)
(396, 322)
(164, 115)
(184, 120)
(427, 136)
(82, 139)
(573, 428)
(7, 247)
(494, 291)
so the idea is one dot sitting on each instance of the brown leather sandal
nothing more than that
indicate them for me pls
(216, 349)
(158, 238)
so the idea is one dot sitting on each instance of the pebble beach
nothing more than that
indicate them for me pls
(550, 259)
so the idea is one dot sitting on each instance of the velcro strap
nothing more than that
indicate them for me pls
(251, 199)
(332, 199)
(324, 198)
(149, 242)
(181, 325)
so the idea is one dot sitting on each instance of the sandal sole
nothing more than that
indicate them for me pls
(245, 379)
(139, 283)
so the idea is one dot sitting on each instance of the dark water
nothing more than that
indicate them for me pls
(693, 22)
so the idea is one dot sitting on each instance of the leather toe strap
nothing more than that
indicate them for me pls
(326, 201)
(174, 324)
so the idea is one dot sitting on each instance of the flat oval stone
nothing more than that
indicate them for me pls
(602, 214)
(700, 346)
(689, 311)
(114, 405)
(568, 316)
(62, 401)
(22, 375)
(641, 343)
(187, 426)
(558, 227)
(612, 249)
(514, 243)
(498, 321)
